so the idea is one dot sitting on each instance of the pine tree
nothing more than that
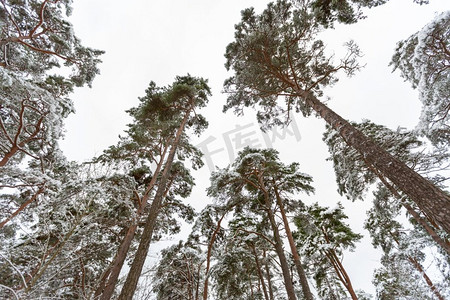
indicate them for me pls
(323, 237)
(178, 273)
(404, 251)
(276, 58)
(208, 230)
(67, 244)
(238, 272)
(423, 60)
(35, 39)
(347, 11)
(266, 183)
(177, 103)
(354, 178)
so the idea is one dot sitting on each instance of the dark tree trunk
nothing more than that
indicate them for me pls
(131, 282)
(430, 199)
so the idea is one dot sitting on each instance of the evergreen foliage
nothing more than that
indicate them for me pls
(67, 228)
(322, 237)
(35, 40)
(423, 59)
(327, 12)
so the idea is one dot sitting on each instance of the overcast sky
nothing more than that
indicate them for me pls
(158, 40)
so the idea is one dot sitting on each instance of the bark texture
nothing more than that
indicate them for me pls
(278, 245)
(301, 272)
(107, 285)
(131, 282)
(430, 199)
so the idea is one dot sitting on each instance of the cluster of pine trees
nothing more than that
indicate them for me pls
(67, 228)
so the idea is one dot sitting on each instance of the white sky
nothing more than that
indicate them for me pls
(158, 40)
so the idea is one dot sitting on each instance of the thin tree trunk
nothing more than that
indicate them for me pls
(131, 282)
(278, 245)
(106, 289)
(419, 268)
(251, 288)
(339, 267)
(441, 242)
(269, 281)
(260, 274)
(430, 199)
(197, 286)
(208, 256)
(430, 284)
(301, 272)
(23, 206)
(341, 272)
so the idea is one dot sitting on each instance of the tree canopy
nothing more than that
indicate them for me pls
(67, 228)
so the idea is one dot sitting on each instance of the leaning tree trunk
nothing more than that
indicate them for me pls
(23, 206)
(208, 256)
(430, 199)
(420, 269)
(278, 245)
(431, 231)
(269, 279)
(301, 272)
(107, 285)
(341, 272)
(260, 274)
(131, 282)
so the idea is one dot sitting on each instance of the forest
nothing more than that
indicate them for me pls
(130, 223)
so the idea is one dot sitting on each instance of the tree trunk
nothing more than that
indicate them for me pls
(23, 206)
(260, 274)
(340, 271)
(430, 284)
(280, 251)
(278, 245)
(301, 272)
(131, 282)
(252, 296)
(430, 199)
(197, 286)
(106, 288)
(269, 280)
(208, 256)
(339, 267)
(419, 268)
(431, 231)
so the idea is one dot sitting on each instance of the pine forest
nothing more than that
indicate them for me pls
(225, 150)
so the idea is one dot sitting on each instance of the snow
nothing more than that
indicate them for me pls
(331, 211)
